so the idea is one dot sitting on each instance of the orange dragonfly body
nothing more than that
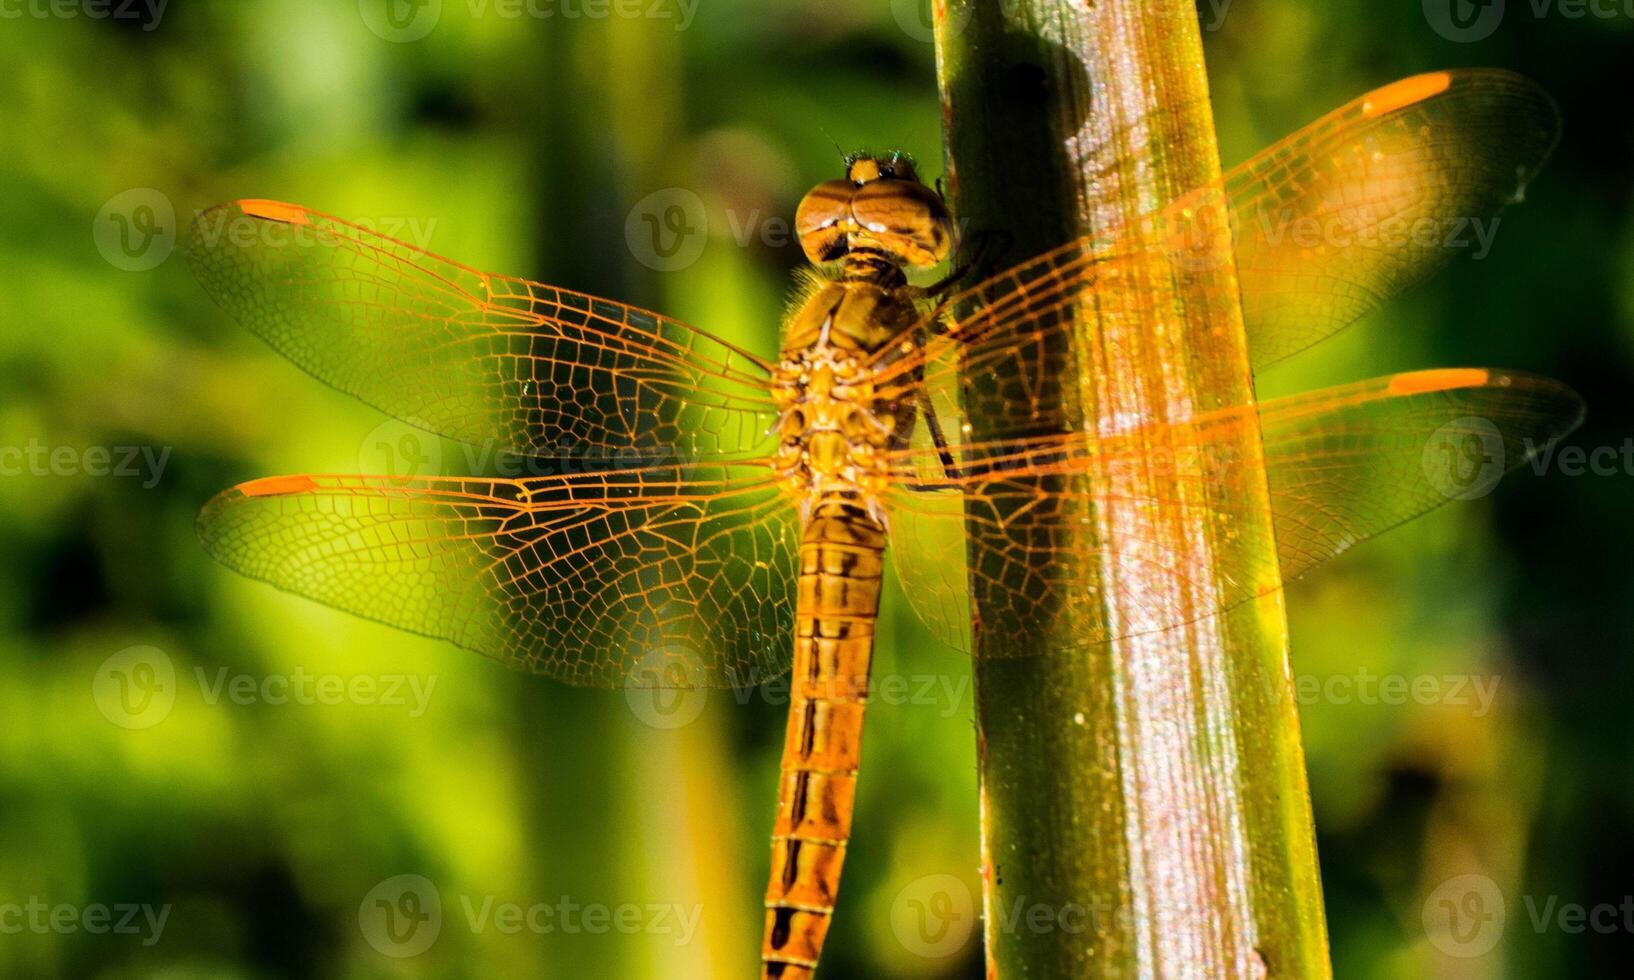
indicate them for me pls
(724, 511)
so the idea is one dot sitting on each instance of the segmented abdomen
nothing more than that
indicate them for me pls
(841, 569)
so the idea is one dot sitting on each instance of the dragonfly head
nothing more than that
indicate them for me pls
(880, 205)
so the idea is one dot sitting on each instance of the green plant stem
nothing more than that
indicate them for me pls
(1144, 804)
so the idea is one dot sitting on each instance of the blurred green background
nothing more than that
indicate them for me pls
(149, 761)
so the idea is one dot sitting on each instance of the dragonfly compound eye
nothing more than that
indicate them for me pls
(906, 218)
(896, 215)
(824, 220)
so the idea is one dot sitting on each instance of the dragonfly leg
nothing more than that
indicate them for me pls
(936, 289)
(988, 247)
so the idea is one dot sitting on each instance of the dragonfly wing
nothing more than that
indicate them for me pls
(1342, 465)
(1333, 221)
(1327, 225)
(645, 577)
(489, 360)
(929, 553)
(1348, 463)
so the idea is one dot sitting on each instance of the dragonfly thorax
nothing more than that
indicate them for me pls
(833, 427)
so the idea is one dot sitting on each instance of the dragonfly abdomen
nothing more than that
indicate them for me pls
(841, 569)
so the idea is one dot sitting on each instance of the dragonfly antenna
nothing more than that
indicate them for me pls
(844, 157)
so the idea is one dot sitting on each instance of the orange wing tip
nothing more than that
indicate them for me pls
(277, 486)
(289, 214)
(1399, 95)
(1446, 379)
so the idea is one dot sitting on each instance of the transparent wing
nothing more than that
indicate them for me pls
(1342, 465)
(489, 360)
(659, 576)
(1332, 222)
(1327, 225)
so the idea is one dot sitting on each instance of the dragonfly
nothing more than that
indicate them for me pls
(711, 517)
